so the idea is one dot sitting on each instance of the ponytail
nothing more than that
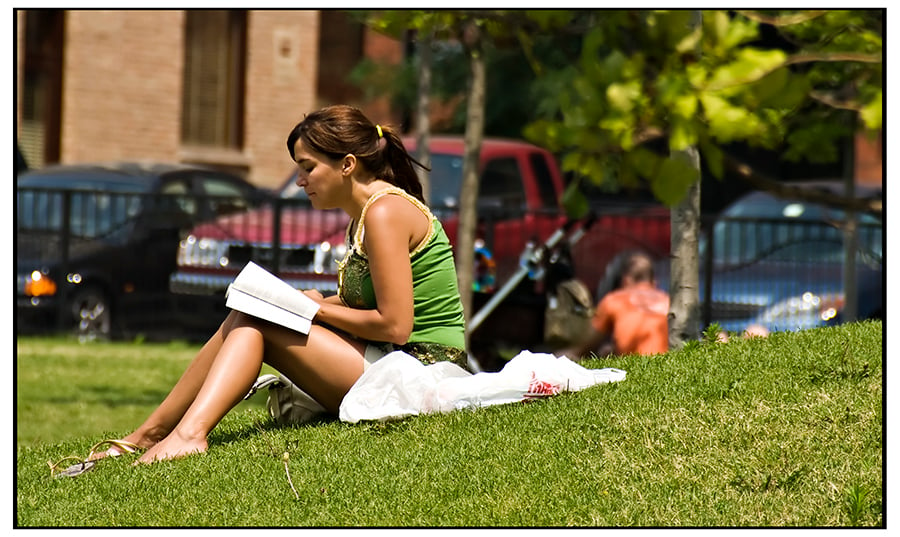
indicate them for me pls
(401, 165)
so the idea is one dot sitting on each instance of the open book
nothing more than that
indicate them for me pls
(257, 292)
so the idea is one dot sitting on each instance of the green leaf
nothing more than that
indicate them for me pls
(574, 202)
(872, 112)
(790, 94)
(623, 96)
(682, 134)
(715, 25)
(739, 31)
(726, 121)
(689, 42)
(613, 66)
(751, 65)
(770, 87)
(644, 162)
(685, 106)
(676, 175)
(676, 27)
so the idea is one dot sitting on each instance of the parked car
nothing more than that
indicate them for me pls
(96, 243)
(779, 262)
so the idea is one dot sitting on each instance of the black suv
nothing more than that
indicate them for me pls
(96, 243)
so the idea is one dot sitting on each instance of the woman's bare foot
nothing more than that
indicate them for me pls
(173, 446)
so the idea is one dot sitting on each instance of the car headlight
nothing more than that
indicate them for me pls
(804, 311)
(326, 257)
(39, 284)
(202, 252)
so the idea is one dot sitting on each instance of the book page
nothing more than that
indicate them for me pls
(257, 281)
(241, 301)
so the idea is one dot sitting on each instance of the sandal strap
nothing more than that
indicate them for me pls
(55, 465)
(123, 445)
(86, 464)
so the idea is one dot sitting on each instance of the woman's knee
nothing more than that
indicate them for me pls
(236, 319)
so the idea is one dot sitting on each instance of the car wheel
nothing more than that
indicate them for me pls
(91, 312)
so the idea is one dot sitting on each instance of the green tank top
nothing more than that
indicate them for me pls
(438, 322)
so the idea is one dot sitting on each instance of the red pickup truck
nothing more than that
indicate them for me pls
(519, 201)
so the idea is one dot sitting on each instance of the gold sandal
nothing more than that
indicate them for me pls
(84, 465)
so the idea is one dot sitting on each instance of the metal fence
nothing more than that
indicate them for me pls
(748, 266)
(789, 274)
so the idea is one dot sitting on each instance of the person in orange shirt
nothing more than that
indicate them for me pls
(632, 318)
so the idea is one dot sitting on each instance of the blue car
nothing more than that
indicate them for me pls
(779, 263)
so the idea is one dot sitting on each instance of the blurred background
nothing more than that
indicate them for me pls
(219, 90)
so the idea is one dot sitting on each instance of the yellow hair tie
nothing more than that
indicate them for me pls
(378, 128)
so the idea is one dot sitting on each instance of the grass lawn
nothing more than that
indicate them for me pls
(782, 431)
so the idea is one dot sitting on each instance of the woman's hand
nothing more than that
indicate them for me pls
(315, 295)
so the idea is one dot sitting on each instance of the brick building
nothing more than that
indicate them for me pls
(216, 87)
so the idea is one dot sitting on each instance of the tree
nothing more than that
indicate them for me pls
(649, 85)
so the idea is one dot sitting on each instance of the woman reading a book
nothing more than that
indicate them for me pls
(397, 291)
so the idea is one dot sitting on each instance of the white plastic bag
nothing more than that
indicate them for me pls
(398, 385)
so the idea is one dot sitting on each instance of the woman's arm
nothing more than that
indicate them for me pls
(318, 297)
(393, 226)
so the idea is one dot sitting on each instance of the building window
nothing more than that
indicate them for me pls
(214, 56)
(38, 135)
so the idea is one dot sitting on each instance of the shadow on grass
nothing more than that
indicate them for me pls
(112, 396)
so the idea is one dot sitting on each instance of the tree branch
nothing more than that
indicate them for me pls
(873, 206)
(809, 57)
(828, 100)
(782, 20)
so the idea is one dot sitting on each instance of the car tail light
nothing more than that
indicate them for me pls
(39, 284)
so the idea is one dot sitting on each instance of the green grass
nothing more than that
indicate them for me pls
(782, 431)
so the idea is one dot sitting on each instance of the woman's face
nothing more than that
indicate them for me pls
(319, 176)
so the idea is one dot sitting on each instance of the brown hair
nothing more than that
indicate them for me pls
(639, 267)
(339, 130)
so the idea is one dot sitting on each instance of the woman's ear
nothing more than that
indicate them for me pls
(348, 164)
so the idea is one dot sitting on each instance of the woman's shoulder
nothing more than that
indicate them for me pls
(386, 207)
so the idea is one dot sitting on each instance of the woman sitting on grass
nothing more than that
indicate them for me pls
(398, 290)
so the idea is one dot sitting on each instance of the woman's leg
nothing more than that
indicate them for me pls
(167, 415)
(324, 364)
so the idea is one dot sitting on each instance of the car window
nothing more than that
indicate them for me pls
(96, 214)
(100, 202)
(92, 214)
(225, 197)
(39, 210)
(501, 185)
(544, 178)
(177, 197)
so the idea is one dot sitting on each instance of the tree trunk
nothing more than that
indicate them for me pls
(684, 306)
(423, 124)
(684, 272)
(468, 217)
